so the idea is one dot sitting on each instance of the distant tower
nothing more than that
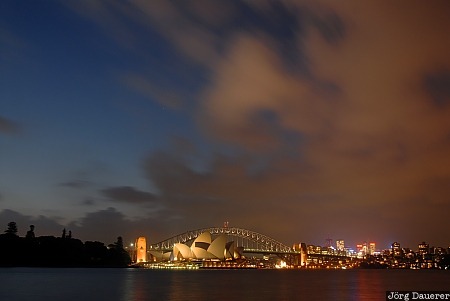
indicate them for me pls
(141, 249)
(328, 242)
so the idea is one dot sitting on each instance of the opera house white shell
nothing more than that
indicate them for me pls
(203, 247)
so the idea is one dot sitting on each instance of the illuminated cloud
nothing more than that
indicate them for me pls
(371, 111)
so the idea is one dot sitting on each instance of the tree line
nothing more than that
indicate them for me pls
(63, 251)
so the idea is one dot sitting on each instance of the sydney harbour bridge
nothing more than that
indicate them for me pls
(250, 241)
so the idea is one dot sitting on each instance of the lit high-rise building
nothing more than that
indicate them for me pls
(359, 248)
(424, 248)
(371, 248)
(340, 246)
(141, 249)
(396, 251)
(362, 249)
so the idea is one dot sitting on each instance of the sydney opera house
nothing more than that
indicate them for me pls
(204, 247)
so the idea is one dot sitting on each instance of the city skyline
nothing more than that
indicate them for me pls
(303, 120)
(356, 246)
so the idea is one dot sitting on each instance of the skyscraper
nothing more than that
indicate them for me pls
(424, 248)
(340, 246)
(396, 251)
(372, 248)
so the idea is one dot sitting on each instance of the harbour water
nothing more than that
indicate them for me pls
(39, 284)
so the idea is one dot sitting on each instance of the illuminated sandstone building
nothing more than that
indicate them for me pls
(141, 249)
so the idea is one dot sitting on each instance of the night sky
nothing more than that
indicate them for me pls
(302, 120)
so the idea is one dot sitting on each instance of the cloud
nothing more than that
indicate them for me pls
(386, 133)
(227, 191)
(128, 194)
(8, 127)
(102, 225)
(14, 42)
(362, 90)
(370, 110)
(437, 84)
(88, 202)
(252, 79)
(76, 184)
(164, 96)
(196, 42)
(106, 225)
(112, 17)
(43, 225)
(370, 121)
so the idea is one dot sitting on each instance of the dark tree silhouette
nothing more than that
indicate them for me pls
(119, 243)
(12, 228)
(30, 233)
(64, 251)
(118, 256)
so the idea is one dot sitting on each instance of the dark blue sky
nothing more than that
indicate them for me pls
(302, 120)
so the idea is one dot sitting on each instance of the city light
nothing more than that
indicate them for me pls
(236, 248)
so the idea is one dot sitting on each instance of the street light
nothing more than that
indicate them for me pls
(132, 252)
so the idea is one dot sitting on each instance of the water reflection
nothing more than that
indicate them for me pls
(369, 286)
(140, 284)
(346, 285)
(129, 287)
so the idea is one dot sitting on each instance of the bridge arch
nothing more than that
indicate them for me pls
(249, 240)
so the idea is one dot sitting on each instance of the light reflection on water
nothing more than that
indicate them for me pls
(40, 284)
